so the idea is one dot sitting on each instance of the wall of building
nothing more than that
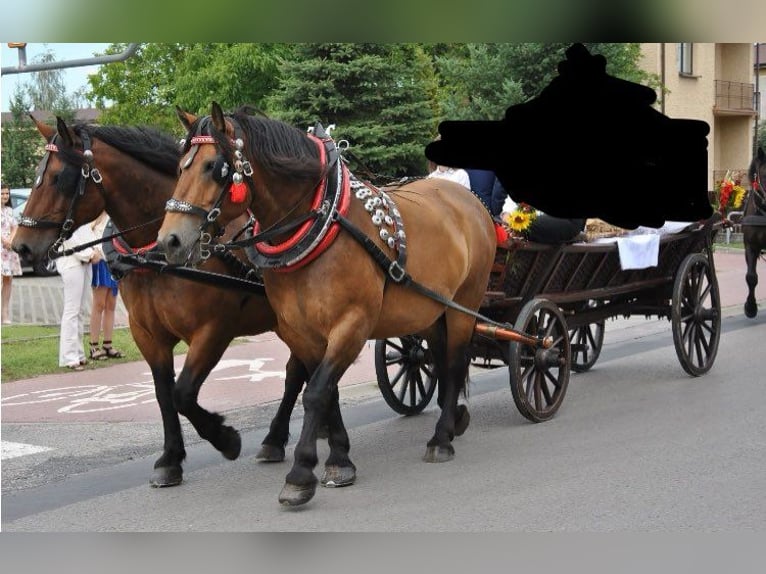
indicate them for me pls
(694, 97)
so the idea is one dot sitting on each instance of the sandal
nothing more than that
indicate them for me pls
(110, 352)
(97, 354)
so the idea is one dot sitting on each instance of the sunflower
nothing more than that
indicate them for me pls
(520, 219)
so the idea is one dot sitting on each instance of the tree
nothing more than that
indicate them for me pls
(139, 90)
(47, 92)
(146, 88)
(476, 83)
(481, 81)
(380, 97)
(22, 145)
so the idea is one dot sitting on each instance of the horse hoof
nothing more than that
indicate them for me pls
(439, 454)
(295, 495)
(270, 453)
(336, 476)
(166, 476)
(462, 419)
(232, 443)
(751, 310)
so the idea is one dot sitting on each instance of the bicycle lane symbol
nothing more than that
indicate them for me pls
(82, 399)
(87, 398)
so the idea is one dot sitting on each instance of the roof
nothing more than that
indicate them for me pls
(86, 115)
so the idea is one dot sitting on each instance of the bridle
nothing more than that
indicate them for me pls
(758, 193)
(87, 171)
(66, 227)
(242, 172)
(240, 175)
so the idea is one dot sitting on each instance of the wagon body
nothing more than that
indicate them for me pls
(568, 291)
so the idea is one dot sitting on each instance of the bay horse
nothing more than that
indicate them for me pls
(754, 226)
(338, 266)
(131, 172)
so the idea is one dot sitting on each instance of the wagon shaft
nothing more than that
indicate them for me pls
(494, 332)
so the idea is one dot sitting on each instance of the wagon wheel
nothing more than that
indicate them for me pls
(539, 377)
(586, 343)
(696, 315)
(406, 373)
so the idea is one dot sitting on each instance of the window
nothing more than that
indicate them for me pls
(685, 59)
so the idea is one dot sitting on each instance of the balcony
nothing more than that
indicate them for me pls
(734, 98)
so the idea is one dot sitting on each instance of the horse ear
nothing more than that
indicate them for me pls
(216, 113)
(186, 118)
(63, 130)
(47, 131)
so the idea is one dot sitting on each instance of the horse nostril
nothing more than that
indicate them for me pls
(22, 249)
(173, 241)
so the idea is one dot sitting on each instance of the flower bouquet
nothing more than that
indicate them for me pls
(518, 221)
(730, 194)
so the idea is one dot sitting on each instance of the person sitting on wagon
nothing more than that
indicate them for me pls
(548, 229)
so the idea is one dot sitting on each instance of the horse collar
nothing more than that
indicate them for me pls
(315, 235)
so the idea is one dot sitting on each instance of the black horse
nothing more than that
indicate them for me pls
(754, 226)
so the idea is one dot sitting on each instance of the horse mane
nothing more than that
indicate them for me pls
(151, 147)
(277, 147)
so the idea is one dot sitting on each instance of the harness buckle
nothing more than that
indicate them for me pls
(247, 169)
(85, 171)
(95, 175)
(213, 214)
(67, 225)
(204, 246)
(396, 272)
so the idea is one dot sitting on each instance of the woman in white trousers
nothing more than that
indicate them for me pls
(76, 273)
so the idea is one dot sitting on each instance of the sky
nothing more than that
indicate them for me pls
(74, 78)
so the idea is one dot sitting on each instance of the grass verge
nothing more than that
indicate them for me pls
(29, 351)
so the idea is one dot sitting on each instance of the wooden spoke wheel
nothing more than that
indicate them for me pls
(696, 314)
(586, 343)
(406, 373)
(539, 377)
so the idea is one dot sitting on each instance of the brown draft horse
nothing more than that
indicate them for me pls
(330, 300)
(131, 172)
(754, 226)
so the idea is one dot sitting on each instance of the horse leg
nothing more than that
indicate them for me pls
(453, 359)
(273, 445)
(320, 404)
(339, 470)
(751, 277)
(204, 354)
(158, 353)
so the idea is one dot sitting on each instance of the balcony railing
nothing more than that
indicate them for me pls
(734, 97)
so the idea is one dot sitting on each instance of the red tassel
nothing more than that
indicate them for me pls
(501, 234)
(238, 192)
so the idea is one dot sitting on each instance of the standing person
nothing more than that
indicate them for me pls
(75, 271)
(11, 262)
(104, 300)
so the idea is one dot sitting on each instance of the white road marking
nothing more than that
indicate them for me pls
(15, 449)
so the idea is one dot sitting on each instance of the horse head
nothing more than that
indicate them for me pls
(756, 173)
(64, 194)
(232, 163)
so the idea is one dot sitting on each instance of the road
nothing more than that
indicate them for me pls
(638, 445)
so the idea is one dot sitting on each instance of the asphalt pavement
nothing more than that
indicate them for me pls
(253, 359)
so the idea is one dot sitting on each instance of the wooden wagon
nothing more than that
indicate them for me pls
(563, 294)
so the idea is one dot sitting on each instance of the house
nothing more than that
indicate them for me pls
(713, 83)
(759, 67)
(85, 115)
